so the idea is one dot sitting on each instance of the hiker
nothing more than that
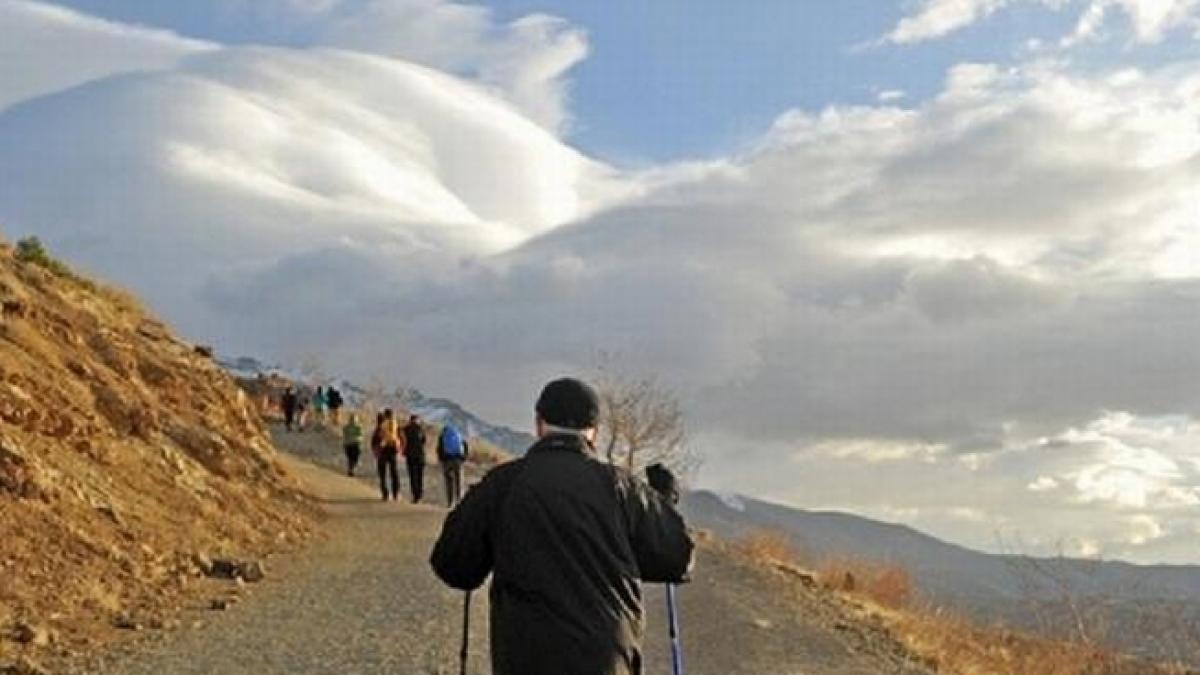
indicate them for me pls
(568, 539)
(414, 456)
(452, 453)
(390, 445)
(336, 402)
(352, 435)
(318, 405)
(302, 413)
(289, 403)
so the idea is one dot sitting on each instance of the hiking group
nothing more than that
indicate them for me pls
(389, 442)
(326, 405)
(567, 540)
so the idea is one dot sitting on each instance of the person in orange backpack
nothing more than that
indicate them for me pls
(391, 444)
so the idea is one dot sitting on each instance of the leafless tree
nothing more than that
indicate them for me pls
(641, 423)
(313, 371)
(374, 397)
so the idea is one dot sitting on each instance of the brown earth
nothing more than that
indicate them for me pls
(126, 458)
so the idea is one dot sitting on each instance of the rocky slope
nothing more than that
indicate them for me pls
(127, 457)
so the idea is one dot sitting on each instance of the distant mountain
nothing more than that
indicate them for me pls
(433, 409)
(1018, 590)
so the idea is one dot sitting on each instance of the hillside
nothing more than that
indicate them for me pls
(1124, 604)
(128, 460)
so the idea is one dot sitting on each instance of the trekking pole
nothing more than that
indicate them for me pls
(673, 622)
(466, 638)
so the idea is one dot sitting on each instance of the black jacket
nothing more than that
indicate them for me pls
(567, 539)
(414, 442)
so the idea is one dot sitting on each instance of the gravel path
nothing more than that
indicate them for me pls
(364, 601)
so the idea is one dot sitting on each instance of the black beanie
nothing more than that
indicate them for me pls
(569, 403)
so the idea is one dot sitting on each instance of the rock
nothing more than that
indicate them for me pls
(223, 568)
(32, 634)
(22, 667)
(126, 622)
(219, 605)
(15, 308)
(241, 571)
(204, 351)
(111, 513)
(762, 624)
(203, 563)
(253, 571)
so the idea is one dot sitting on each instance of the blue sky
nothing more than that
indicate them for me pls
(675, 79)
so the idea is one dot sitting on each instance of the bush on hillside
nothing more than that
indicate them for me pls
(31, 250)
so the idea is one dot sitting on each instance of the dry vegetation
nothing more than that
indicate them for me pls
(126, 458)
(946, 641)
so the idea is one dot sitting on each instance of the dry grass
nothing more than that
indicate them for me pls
(949, 642)
(768, 547)
(955, 644)
(888, 585)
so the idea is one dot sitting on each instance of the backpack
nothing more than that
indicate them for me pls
(452, 443)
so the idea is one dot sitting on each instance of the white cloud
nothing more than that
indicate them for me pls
(1043, 484)
(526, 60)
(1143, 529)
(46, 48)
(1150, 20)
(936, 18)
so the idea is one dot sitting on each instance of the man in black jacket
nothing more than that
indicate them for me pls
(568, 539)
(414, 456)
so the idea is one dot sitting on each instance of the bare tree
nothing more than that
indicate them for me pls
(374, 397)
(313, 371)
(642, 423)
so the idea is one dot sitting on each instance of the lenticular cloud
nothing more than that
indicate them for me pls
(244, 157)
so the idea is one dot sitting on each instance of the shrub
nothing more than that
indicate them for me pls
(888, 585)
(31, 250)
(769, 546)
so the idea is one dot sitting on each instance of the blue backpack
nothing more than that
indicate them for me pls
(452, 443)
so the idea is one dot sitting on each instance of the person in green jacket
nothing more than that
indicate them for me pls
(352, 435)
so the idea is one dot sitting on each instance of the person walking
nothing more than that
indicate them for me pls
(390, 446)
(319, 402)
(452, 452)
(335, 400)
(568, 539)
(414, 456)
(289, 403)
(352, 435)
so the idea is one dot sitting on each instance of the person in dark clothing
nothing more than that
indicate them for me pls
(335, 400)
(352, 435)
(452, 451)
(289, 403)
(414, 456)
(568, 540)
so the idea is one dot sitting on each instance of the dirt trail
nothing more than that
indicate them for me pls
(364, 601)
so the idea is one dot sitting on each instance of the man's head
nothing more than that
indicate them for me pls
(568, 404)
(388, 414)
(414, 419)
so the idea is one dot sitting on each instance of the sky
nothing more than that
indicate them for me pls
(932, 262)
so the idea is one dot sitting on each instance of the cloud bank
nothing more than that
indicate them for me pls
(989, 295)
